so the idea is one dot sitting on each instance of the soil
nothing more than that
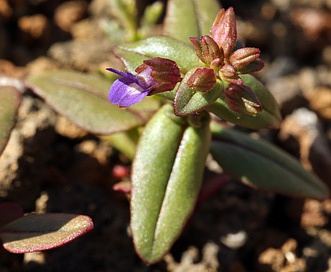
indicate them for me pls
(50, 165)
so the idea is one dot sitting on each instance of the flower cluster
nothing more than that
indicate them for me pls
(223, 60)
(222, 57)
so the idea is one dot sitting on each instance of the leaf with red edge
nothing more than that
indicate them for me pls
(10, 99)
(36, 232)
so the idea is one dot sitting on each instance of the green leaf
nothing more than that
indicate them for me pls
(189, 18)
(151, 15)
(188, 101)
(125, 13)
(82, 98)
(133, 54)
(36, 232)
(270, 117)
(262, 165)
(125, 142)
(10, 99)
(166, 181)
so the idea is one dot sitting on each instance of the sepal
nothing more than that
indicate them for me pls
(243, 57)
(270, 117)
(242, 99)
(207, 49)
(202, 80)
(189, 101)
(224, 30)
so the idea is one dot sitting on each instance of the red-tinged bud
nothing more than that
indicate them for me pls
(229, 74)
(206, 49)
(214, 29)
(198, 48)
(158, 75)
(254, 66)
(216, 64)
(224, 30)
(202, 80)
(242, 99)
(243, 57)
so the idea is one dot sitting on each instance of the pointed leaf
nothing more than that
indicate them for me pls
(269, 117)
(262, 165)
(36, 232)
(166, 181)
(10, 99)
(133, 54)
(82, 98)
(189, 18)
(189, 101)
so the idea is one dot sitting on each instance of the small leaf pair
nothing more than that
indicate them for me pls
(166, 178)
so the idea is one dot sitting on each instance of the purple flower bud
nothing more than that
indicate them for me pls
(242, 99)
(202, 80)
(224, 30)
(154, 76)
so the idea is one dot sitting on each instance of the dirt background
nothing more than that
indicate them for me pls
(49, 165)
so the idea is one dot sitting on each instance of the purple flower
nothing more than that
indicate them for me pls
(153, 76)
(126, 90)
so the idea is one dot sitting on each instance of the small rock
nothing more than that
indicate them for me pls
(35, 28)
(320, 101)
(9, 69)
(83, 55)
(314, 23)
(69, 13)
(87, 30)
(303, 128)
(273, 258)
(68, 129)
(313, 214)
(235, 240)
(41, 64)
(5, 11)
(284, 259)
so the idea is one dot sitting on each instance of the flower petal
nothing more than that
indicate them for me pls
(123, 74)
(126, 93)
